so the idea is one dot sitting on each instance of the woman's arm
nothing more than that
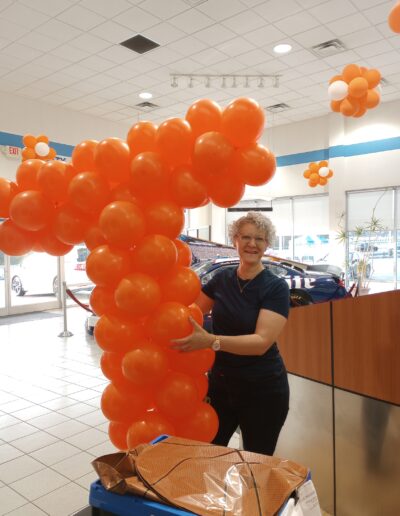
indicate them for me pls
(269, 326)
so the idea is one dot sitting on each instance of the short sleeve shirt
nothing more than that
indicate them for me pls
(235, 312)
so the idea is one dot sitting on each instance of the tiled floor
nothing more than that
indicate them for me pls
(51, 427)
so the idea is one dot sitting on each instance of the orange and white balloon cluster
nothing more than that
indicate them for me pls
(394, 18)
(126, 201)
(37, 147)
(355, 90)
(318, 173)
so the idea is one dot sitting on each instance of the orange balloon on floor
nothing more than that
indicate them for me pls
(145, 365)
(116, 335)
(212, 155)
(177, 396)
(117, 433)
(254, 165)
(94, 237)
(119, 406)
(201, 425)
(102, 300)
(185, 189)
(192, 362)
(150, 426)
(149, 176)
(53, 181)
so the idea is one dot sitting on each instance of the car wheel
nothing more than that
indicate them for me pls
(300, 297)
(16, 286)
(55, 286)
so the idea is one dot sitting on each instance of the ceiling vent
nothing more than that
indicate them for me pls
(139, 44)
(146, 106)
(329, 48)
(277, 108)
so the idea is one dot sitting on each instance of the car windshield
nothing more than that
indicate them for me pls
(201, 267)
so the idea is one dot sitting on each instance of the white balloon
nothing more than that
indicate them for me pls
(323, 171)
(42, 149)
(338, 90)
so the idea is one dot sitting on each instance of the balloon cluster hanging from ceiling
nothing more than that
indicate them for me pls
(355, 90)
(126, 201)
(318, 173)
(37, 147)
(394, 18)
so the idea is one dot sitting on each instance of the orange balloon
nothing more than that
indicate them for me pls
(323, 181)
(243, 122)
(169, 321)
(118, 336)
(335, 105)
(165, 218)
(15, 241)
(373, 99)
(226, 191)
(70, 225)
(42, 138)
(53, 181)
(201, 381)
(307, 173)
(146, 365)
(350, 72)
(51, 155)
(204, 115)
(181, 284)
(29, 140)
(120, 406)
(112, 160)
(184, 253)
(117, 432)
(212, 155)
(155, 255)
(94, 237)
(394, 18)
(111, 365)
(323, 163)
(196, 313)
(335, 78)
(30, 210)
(142, 138)
(313, 167)
(122, 224)
(177, 396)
(83, 156)
(174, 141)
(27, 172)
(145, 430)
(28, 153)
(122, 193)
(360, 111)
(89, 192)
(254, 165)
(149, 177)
(312, 183)
(8, 190)
(50, 244)
(106, 266)
(137, 294)
(186, 191)
(192, 363)
(314, 176)
(330, 174)
(373, 77)
(102, 301)
(202, 425)
(348, 107)
(358, 87)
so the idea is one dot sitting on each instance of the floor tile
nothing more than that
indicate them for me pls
(84, 395)
(6, 397)
(48, 420)
(76, 410)
(55, 452)
(76, 466)
(10, 433)
(87, 479)
(93, 419)
(8, 452)
(87, 439)
(13, 406)
(67, 429)
(64, 501)
(34, 442)
(10, 500)
(102, 449)
(19, 468)
(27, 510)
(8, 420)
(31, 412)
(39, 484)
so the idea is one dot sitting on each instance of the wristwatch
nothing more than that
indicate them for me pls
(216, 345)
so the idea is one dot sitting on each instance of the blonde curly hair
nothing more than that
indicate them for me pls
(259, 220)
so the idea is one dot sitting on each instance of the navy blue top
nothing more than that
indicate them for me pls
(236, 313)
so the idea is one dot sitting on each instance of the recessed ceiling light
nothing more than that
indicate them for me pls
(145, 95)
(282, 48)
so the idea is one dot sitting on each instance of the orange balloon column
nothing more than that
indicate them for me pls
(126, 201)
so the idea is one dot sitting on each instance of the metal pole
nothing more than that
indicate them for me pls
(64, 333)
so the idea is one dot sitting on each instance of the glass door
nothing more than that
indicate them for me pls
(2, 284)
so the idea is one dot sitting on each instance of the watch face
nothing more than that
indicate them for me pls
(216, 345)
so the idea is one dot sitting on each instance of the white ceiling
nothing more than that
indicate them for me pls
(67, 52)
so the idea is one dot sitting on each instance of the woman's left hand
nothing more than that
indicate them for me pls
(198, 339)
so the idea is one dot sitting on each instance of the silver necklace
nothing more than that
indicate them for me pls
(241, 288)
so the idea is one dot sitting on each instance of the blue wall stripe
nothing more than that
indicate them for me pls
(336, 151)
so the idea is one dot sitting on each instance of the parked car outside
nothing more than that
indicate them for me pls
(307, 286)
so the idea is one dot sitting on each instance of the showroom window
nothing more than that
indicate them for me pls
(373, 225)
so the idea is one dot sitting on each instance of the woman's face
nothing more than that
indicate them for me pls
(251, 243)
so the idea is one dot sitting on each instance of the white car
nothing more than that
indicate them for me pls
(38, 274)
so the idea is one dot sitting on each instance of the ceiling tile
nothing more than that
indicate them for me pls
(19, 78)
(116, 54)
(378, 13)
(235, 47)
(330, 11)
(298, 58)
(274, 10)
(59, 31)
(342, 59)
(209, 56)
(32, 92)
(81, 18)
(137, 19)
(105, 7)
(244, 22)
(188, 46)
(63, 79)
(70, 53)
(347, 24)
(23, 15)
(265, 35)
(297, 23)
(47, 7)
(22, 52)
(10, 62)
(164, 10)
(221, 9)
(373, 49)
(361, 37)
(254, 57)
(314, 36)
(96, 63)
(70, 93)
(191, 21)
(78, 71)
(90, 43)
(54, 63)
(183, 66)
(11, 31)
(112, 32)
(164, 33)
(39, 41)
(35, 71)
(215, 35)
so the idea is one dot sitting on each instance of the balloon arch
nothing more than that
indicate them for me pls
(126, 201)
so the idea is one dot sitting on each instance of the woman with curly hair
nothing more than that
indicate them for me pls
(248, 385)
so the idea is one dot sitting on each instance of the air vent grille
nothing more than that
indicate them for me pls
(277, 108)
(139, 44)
(329, 48)
(147, 105)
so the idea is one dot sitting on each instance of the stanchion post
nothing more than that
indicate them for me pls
(64, 333)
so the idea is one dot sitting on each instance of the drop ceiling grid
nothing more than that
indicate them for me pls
(78, 40)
